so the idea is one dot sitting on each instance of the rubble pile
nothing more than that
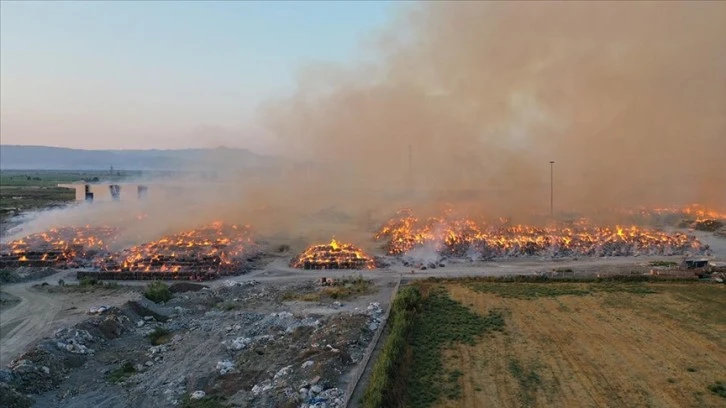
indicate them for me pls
(66, 247)
(74, 340)
(334, 255)
(450, 235)
(375, 314)
(235, 342)
(45, 366)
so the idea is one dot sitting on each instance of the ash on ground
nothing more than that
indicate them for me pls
(241, 344)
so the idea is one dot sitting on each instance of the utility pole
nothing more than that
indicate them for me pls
(552, 188)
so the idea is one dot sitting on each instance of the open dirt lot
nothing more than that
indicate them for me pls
(35, 313)
(242, 341)
(599, 348)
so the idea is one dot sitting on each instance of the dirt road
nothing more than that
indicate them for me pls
(39, 314)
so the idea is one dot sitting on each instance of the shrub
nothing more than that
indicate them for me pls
(718, 388)
(228, 306)
(205, 402)
(87, 281)
(159, 336)
(379, 391)
(158, 292)
(126, 370)
(663, 263)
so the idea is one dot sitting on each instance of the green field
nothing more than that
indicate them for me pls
(27, 190)
(476, 343)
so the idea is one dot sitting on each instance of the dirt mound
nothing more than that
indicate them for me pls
(11, 398)
(45, 366)
(143, 311)
(7, 300)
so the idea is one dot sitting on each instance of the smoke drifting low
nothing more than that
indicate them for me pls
(629, 99)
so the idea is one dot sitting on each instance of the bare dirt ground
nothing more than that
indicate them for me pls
(38, 314)
(600, 350)
(249, 342)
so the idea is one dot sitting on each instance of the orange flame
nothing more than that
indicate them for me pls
(208, 248)
(456, 236)
(334, 255)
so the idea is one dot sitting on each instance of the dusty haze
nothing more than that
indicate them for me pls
(629, 99)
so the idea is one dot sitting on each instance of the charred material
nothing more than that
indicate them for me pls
(333, 256)
(214, 250)
(461, 237)
(151, 275)
(67, 247)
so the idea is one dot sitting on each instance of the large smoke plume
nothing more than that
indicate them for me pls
(467, 102)
(629, 99)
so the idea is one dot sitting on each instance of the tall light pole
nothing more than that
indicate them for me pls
(552, 188)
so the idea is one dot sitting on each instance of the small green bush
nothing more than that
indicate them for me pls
(158, 292)
(228, 306)
(663, 263)
(126, 370)
(87, 281)
(718, 388)
(206, 402)
(159, 336)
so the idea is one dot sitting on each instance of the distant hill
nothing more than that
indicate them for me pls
(15, 157)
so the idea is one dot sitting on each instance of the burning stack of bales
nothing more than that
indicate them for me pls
(66, 247)
(333, 256)
(218, 249)
(456, 236)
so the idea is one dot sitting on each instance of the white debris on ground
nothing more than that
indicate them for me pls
(198, 395)
(226, 367)
(375, 313)
(271, 354)
(73, 340)
(283, 372)
(316, 397)
(98, 310)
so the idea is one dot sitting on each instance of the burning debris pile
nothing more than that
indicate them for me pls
(333, 256)
(694, 216)
(65, 247)
(217, 249)
(456, 236)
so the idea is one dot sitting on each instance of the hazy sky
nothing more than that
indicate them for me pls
(144, 74)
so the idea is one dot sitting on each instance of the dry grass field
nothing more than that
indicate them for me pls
(591, 345)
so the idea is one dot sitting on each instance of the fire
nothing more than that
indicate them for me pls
(459, 236)
(696, 212)
(214, 248)
(65, 246)
(334, 255)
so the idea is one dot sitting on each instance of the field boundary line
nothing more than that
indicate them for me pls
(365, 361)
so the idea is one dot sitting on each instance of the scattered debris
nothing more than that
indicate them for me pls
(198, 395)
(268, 356)
(225, 367)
